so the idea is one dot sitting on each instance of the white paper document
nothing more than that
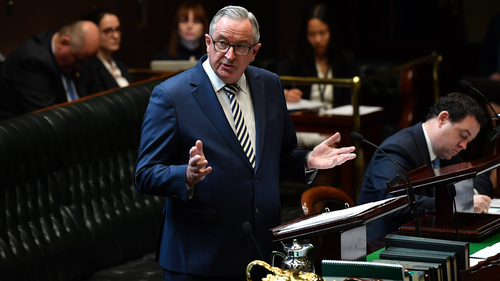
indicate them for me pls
(304, 105)
(494, 207)
(495, 203)
(487, 252)
(347, 110)
(474, 261)
(494, 211)
(483, 254)
(334, 215)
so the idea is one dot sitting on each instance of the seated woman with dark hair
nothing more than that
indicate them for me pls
(187, 40)
(319, 55)
(106, 72)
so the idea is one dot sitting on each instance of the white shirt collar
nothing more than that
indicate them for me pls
(218, 83)
(432, 155)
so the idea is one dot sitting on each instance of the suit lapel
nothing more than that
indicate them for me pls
(422, 143)
(107, 78)
(259, 105)
(204, 94)
(81, 90)
(59, 91)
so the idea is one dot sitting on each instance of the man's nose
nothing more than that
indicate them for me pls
(463, 144)
(230, 54)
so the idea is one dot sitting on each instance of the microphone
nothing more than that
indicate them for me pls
(496, 131)
(248, 230)
(406, 180)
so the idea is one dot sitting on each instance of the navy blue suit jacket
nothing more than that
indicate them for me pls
(408, 148)
(204, 235)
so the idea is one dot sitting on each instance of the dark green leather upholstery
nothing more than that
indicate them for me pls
(69, 209)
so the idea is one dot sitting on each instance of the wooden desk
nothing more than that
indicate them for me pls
(371, 128)
(472, 228)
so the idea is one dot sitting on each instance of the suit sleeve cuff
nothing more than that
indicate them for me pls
(190, 191)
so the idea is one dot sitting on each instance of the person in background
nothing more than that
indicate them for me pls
(453, 122)
(186, 35)
(319, 55)
(106, 72)
(218, 173)
(43, 71)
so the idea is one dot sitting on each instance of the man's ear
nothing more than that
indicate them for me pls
(65, 40)
(255, 50)
(207, 41)
(443, 117)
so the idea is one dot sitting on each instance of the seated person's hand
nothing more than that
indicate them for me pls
(481, 204)
(293, 95)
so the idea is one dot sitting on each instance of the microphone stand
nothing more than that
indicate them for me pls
(413, 206)
(452, 192)
(412, 203)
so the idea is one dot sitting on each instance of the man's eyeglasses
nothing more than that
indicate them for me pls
(109, 31)
(223, 46)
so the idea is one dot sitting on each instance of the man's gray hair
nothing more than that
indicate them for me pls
(236, 13)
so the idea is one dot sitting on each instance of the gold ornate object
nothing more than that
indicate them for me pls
(282, 275)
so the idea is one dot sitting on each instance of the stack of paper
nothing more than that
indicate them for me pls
(485, 253)
(347, 110)
(494, 206)
(304, 105)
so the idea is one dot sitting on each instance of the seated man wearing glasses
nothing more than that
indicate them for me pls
(43, 70)
(215, 141)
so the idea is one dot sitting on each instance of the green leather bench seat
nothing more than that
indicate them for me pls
(69, 209)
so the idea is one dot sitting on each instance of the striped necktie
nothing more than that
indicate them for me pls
(239, 123)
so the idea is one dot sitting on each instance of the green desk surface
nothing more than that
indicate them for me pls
(473, 247)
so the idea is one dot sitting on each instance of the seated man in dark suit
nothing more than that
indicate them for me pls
(451, 124)
(42, 71)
